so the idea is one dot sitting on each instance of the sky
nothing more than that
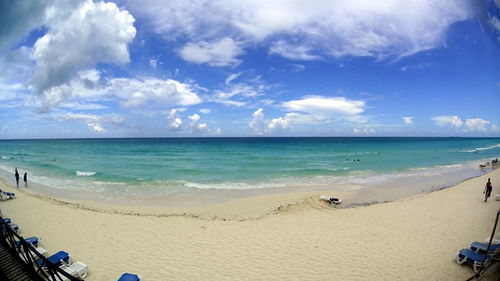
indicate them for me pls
(229, 68)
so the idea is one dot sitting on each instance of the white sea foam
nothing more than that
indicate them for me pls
(85, 174)
(475, 150)
(6, 158)
(489, 147)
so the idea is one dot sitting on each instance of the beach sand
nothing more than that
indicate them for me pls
(289, 236)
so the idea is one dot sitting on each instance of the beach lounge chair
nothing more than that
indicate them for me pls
(77, 269)
(40, 250)
(30, 240)
(35, 242)
(57, 259)
(15, 227)
(331, 200)
(467, 255)
(129, 277)
(7, 194)
(482, 247)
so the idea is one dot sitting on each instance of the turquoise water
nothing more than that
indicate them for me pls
(162, 166)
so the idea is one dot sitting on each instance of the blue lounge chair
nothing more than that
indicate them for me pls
(129, 277)
(482, 247)
(467, 255)
(57, 259)
(10, 194)
(15, 227)
(30, 240)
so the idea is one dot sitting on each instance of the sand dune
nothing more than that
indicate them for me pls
(409, 239)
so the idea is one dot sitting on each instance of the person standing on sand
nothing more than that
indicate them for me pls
(16, 174)
(487, 190)
(25, 177)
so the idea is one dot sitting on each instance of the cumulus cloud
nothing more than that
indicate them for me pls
(96, 127)
(257, 122)
(365, 131)
(454, 121)
(323, 108)
(18, 18)
(471, 125)
(148, 91)
(196, 124)
(174, 122)
(279, 123)
(135, 92)
(91, 33)
(261, 126)
(304, 30)
(217, 53)
(407, 120)
(476, 125)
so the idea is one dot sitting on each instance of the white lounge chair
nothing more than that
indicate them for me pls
(77, 269)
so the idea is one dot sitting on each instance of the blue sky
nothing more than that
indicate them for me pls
(72, 69)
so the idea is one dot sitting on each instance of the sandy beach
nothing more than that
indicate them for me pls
(289, 236)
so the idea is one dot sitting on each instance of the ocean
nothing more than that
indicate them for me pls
(153, 167)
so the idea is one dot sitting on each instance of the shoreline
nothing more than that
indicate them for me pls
(354, 191)
(412, 238)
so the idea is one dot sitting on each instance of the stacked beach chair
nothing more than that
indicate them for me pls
(480, 254)
(30, 251)
(45, 264)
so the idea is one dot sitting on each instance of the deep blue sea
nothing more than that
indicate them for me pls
(162, 166)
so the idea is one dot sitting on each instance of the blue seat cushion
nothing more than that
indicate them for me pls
(471, 255)
(475, 246)
(129, 277)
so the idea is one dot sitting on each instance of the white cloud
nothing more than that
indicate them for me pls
(94, 122)
(365, 131)
(257, 123)
(306, 30)
(82, 106)
(239, 93)
(407, 120)
(293, 51)
(476, 125)
(217, 53)
(18, 18)
(448, 121)
(416, 66)
(196, 124)
(325, 107)
(91, 33)
(153, 91)
(495, 128)
(88, 85)
(232, 77)
(153, 62)
(96, 127)
(205, 110)
(174, 122)
(278, 123)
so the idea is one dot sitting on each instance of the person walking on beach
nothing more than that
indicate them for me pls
(16, 174)
(487, 190)
(25, 177)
